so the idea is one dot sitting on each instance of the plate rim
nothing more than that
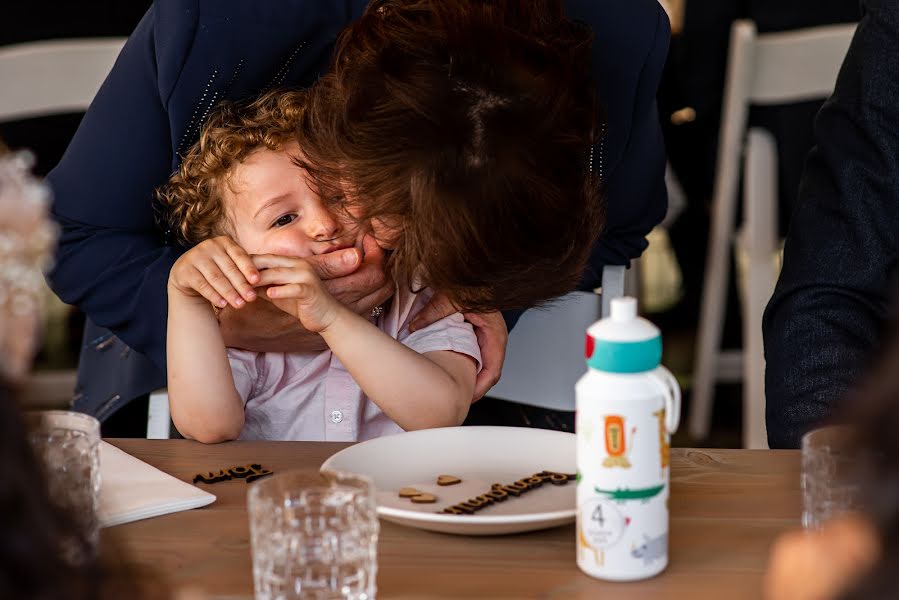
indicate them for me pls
(421, 516)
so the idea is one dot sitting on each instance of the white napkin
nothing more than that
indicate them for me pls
(131, 490)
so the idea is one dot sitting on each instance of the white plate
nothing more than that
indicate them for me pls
(480, 456)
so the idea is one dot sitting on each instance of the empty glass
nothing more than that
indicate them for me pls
(314, 536)
(68, 445)
(831, 474)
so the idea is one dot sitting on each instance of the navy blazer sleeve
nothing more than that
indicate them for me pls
(630, 47)
(828, 311)
(111, 261)
(183, 57)
(629, 51)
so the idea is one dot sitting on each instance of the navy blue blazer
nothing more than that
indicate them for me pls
(184, 57)
(829, 312)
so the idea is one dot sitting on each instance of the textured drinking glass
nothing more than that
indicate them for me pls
(831, 470)
(314, 536)
(68, 445)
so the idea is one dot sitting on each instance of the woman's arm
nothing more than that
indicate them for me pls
(111, 261)
(630, 47)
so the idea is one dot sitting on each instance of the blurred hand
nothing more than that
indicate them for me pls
(821, 565)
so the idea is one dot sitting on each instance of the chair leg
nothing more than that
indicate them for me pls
(711, 318)
(159, 420)
(760, 283)
(759, 236)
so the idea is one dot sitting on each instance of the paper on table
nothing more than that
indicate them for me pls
(131, 490)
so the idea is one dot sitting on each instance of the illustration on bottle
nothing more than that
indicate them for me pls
(616, 443)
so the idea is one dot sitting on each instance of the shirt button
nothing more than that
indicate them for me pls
(336, 416)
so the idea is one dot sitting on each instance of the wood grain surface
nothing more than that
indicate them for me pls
(727, 506)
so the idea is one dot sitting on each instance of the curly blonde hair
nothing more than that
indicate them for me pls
(192, 198)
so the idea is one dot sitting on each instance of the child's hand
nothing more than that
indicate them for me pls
(218, 270)
(298, 291)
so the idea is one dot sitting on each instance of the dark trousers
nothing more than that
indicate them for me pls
(490, 411)
(130, 421)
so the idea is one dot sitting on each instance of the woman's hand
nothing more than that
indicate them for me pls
(490, 329)
(297, 290)
(217, 269)
(357, 281)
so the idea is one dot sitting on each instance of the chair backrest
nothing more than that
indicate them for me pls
(545, 354)
(772, 68)
(52, 77)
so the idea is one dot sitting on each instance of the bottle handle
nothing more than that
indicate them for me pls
(671, 393)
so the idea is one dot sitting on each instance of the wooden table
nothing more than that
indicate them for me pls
(726, 508)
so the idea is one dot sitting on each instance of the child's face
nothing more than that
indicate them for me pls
(273, 210)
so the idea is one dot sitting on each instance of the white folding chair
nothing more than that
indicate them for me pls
(545, 354)
(774, 68)
(54, 77)
(159, 417)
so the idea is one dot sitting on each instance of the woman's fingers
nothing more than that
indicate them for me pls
(493, 335)
(364, 305)
(438, 307)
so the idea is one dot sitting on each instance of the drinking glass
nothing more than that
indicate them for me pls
(831, 474)
(314, 536)
(68, 445)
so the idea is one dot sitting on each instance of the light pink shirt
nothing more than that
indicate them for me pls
(313, 397)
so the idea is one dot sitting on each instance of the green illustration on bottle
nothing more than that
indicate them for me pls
(622, 494)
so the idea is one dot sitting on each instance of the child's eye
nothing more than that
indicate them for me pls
(284, 220)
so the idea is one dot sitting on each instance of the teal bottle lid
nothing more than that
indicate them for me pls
(623, 342)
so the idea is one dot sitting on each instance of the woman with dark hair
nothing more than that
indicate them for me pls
(485, 108)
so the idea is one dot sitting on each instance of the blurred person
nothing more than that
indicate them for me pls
(827, 316)
(32, 564)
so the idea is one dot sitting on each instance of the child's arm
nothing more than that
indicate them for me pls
(415, 390)
(203, 400)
